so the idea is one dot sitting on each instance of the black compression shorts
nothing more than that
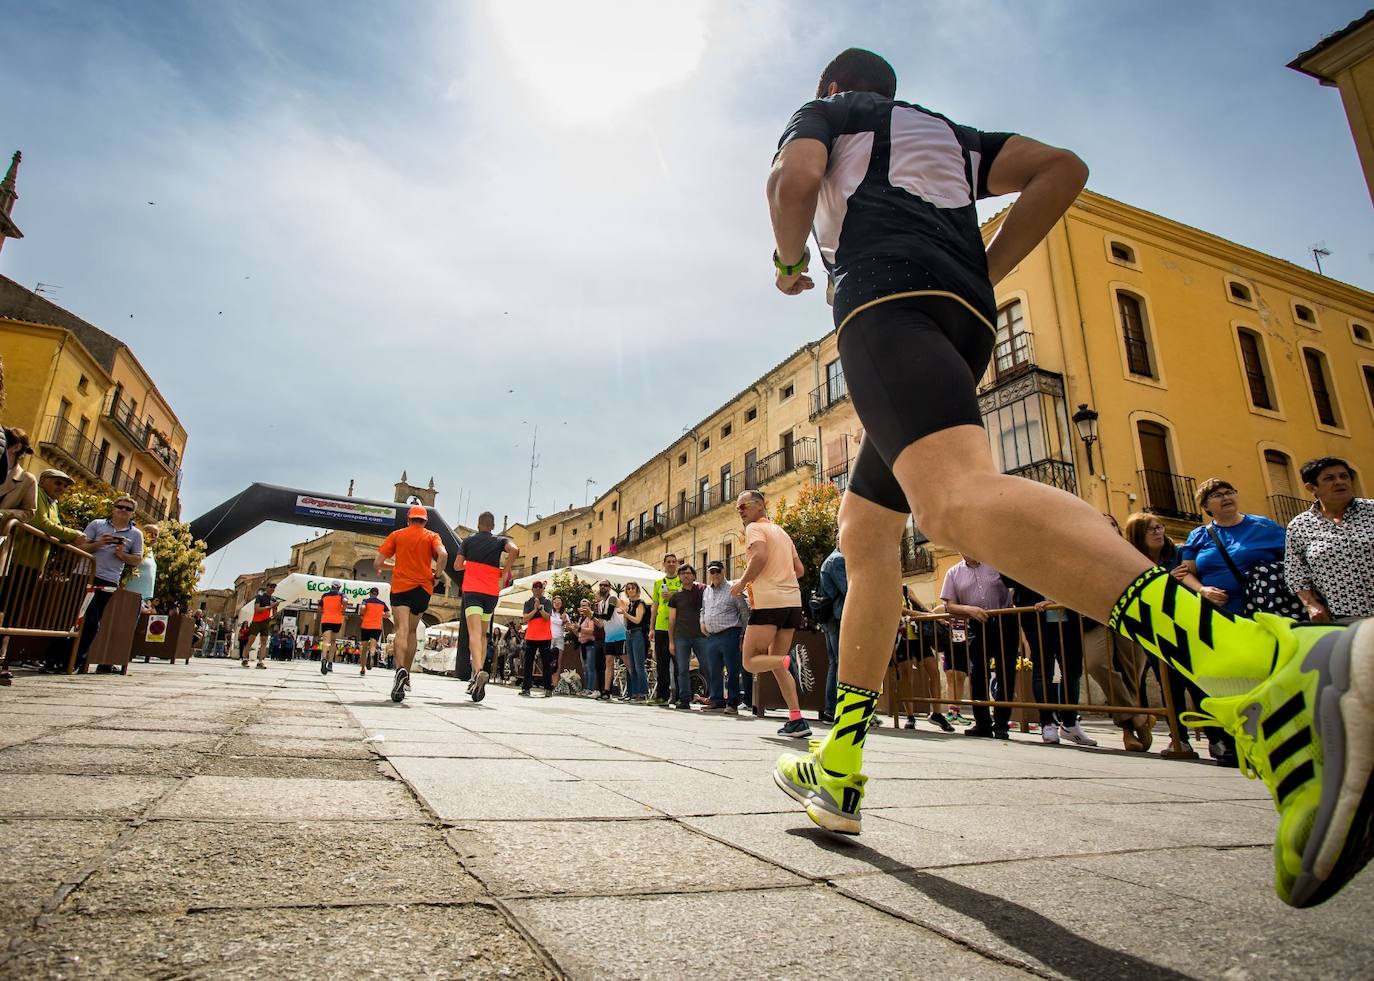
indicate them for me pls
(912, 368)
(415, 600)
(371, 634)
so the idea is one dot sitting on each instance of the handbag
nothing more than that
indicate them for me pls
(1264, 587)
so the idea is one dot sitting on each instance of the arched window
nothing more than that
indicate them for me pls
(1256, 377)
(1285, 501)
(1239, 291)
(1319, 377)
(311, 570)
(1122, 252)
(1135, 333)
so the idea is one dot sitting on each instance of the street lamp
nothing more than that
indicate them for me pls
(1085, 421)
(587, 492)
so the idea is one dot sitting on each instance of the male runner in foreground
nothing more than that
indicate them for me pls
(479, 556)
(410, 551)
(373, 609)
(333, 604)
(890, 188)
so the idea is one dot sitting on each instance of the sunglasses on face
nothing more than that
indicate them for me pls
(123, 507)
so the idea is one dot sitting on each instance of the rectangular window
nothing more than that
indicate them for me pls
(550, 565)
(85, 425)
(706, 444)
(1133, 333)
(704, 491)
(728, 555)
(1012, 346)
(751, 415)
(598, 551)
(726, 430)
(751, 470)
(658, 515)
(1369, 383)
(727, 488)
(64, 409)
(83, 385)
(534, 563)
(1255, 375)
(1321, 386)
(787, 392)
(643, 522)
(701, 569)
(536, 536)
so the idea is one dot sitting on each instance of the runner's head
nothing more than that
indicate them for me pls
(857, 70)
(335, 586)
(486, 521)
(751, 506)
(374, 592)
(418, 513)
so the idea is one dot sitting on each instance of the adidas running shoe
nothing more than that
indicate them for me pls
(1308, 732)
(830, 800)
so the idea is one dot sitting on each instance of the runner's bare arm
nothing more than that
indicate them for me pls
(440, 560)
(793, 187)
(758, 558)
(1049, 180)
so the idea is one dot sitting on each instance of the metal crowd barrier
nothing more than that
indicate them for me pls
(1024, 644)
(43, 589)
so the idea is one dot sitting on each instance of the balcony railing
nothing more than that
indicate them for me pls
(579, 558)
(838, 475)
(832, 390)
(801, 453)
(1056, 473)
(916, 558)
(1285, 508)
(82, 455)
(1169, 495)
(141, 433)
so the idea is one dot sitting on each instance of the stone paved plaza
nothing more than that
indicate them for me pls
(205, 821)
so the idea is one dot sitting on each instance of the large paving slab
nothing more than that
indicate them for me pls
(778, 933)
(469, 941)
(167, 866)
(461, 790)
(57, 796)
(605, 858)
(284, 799)
(39, 856)
(39, 758)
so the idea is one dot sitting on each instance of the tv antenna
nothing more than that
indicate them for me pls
(534, 463)
(1318, 251)
(46, 289)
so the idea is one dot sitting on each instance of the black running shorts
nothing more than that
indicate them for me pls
(415, 600)
(782, 617)
(482, 604)
(912, 368)
(371, 634)
(331, 628)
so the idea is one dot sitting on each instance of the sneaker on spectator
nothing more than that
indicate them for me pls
(938, 720)
(1050, 734)
(796, 728)
(730, 710)
(1075, 734)
(910, 722)
(713, 708)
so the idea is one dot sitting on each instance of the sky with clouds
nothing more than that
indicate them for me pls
(393, 236)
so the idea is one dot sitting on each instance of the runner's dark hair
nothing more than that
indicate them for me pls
(858, 70)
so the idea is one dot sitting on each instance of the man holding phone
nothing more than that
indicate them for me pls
(115, 542)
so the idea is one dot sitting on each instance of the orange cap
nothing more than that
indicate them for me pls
(418, 511)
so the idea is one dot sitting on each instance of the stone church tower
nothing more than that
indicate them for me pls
(405, 491)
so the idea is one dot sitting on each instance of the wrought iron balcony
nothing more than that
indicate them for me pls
(140, 432)
(829, 392)
(802, 453)
(1056, 473)
(66, 442)
(1285, 508)
(839, 475)
(1169, 495)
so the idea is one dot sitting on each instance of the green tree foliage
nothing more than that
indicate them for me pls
(571, 589)
(180, 564)
(812, 521)
(84, 502)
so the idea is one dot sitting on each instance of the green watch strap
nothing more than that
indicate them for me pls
(796, 267)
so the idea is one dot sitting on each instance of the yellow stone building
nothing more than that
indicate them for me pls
(87, 403)
(1184, 356)
(1345, 61)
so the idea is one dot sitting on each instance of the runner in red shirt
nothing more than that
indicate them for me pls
(417, 559)
(373, 610)
(333, 605)
(479, 558)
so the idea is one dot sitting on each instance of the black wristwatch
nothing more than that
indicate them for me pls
(796, 267)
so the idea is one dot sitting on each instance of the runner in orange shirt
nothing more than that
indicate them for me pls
(417, 559)
(333, 606)
(373, 609)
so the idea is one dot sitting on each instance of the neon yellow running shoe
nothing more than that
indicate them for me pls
(1308, 732)
(831, 800)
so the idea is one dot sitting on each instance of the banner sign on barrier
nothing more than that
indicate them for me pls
(326, 507)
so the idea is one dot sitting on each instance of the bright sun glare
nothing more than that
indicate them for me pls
(590, 60)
